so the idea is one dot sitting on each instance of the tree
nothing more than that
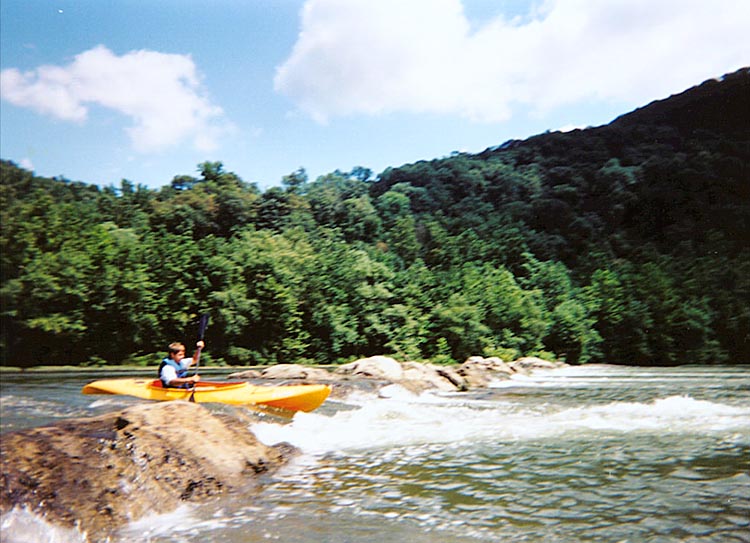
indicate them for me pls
(295, 182)
(571, 334)
(460, 324)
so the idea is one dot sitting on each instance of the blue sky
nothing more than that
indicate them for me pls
(145, 90)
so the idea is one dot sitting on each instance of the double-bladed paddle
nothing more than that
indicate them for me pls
(202, 325)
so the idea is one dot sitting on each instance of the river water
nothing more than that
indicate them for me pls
(592, 453)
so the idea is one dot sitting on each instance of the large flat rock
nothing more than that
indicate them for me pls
(100, 473)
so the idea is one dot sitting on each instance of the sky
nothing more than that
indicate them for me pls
(146, 90)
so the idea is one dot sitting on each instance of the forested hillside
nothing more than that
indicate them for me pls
(627, 243)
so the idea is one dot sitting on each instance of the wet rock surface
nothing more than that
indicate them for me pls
(100, 473)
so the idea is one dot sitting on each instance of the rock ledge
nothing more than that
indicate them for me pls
(100, 473)
(475, 372)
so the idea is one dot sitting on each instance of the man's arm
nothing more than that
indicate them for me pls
(184, 380)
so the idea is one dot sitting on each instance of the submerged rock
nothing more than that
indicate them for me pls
(101, 473)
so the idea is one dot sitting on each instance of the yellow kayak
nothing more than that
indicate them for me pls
(289, 397)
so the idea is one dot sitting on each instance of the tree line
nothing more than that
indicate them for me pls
(626, 243)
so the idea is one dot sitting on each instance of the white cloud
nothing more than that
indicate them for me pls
(160, 93)
(365, 57)
(27, 164)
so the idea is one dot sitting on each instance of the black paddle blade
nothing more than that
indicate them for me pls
(202, 325)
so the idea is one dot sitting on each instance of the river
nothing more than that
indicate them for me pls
(592, 453)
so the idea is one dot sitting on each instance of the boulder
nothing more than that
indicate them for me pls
(478, 372)
(375, 367)
(415, 377)
(245, 375)
(103, 472)
(530, 363)
(492, 364)
(453, 376)
(419, 377)
(296, 371)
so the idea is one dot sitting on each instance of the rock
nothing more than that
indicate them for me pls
(530, 363)
(375, 367)
(491, 364)
(245, 375)
(308, 374)
(415, 377)
(296, 371)
(103, 472)
(396, 391)
(478, 372)
(420, 377)
(453, 376)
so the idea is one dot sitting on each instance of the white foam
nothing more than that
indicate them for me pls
(382, 423)
(22, 526)
(105, 402)
(181, 520)
(600, 376)
(671, 414)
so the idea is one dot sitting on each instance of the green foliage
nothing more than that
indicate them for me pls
(626, 243)
(571, 334)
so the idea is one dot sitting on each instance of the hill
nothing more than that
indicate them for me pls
(674, 173)
(624, 243)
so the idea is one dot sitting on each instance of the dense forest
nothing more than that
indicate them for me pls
(627, 243)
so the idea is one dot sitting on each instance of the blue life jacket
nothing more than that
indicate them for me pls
(181, 372)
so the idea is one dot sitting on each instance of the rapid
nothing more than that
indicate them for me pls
(593, 453)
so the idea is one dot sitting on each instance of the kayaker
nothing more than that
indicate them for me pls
(173, 369)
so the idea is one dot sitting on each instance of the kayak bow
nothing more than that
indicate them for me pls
(288, 397)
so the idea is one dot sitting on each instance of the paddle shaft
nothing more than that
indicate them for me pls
(197, 358)
(201, 332)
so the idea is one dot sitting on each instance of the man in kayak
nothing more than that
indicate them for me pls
(173, 369)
